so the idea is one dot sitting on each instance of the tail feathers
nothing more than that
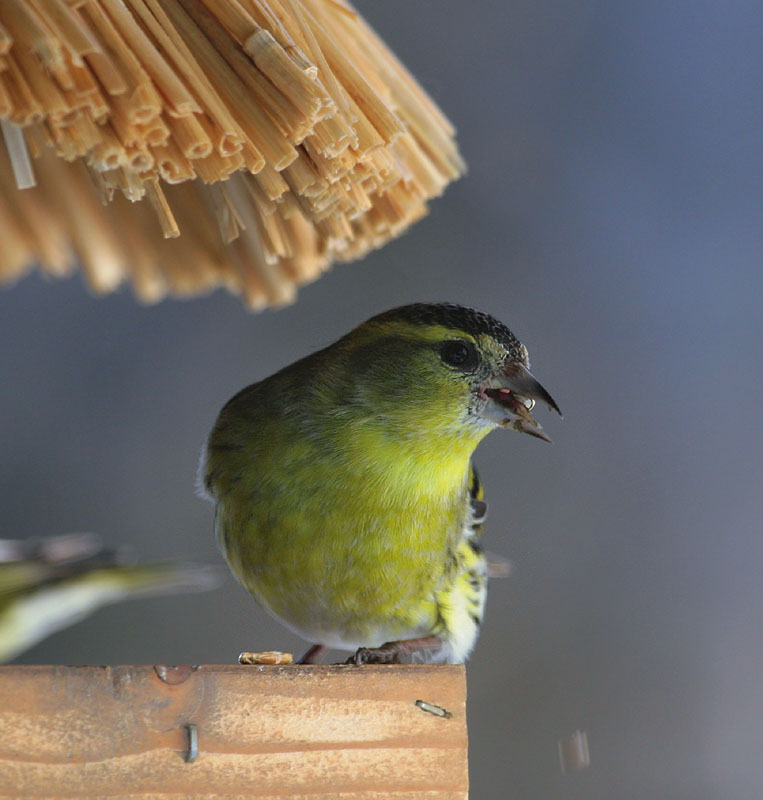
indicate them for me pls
(58, 587)
(27, 563)
(30, 564)
(498, 566)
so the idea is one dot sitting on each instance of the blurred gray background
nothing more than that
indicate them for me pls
(612, 218)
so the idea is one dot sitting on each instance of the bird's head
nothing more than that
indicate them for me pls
(444, 369)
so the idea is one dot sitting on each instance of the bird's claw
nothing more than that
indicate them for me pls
(386, 654)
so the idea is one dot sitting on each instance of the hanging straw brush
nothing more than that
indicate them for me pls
(186, 144)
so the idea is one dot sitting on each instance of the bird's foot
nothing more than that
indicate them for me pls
(393, 652)
(313, 654)
(386, 654)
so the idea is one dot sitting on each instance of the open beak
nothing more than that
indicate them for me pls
(511, 397)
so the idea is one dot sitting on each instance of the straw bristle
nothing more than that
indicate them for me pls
(294, 136)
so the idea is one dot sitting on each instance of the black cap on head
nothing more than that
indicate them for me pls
(450, 315)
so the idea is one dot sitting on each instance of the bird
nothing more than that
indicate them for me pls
(50, 583)
(346, 500)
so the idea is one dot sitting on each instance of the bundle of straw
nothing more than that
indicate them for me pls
(270, 138)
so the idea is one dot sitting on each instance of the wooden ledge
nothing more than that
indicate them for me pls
(307, 732)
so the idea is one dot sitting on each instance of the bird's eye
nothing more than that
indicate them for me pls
(460, 354)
